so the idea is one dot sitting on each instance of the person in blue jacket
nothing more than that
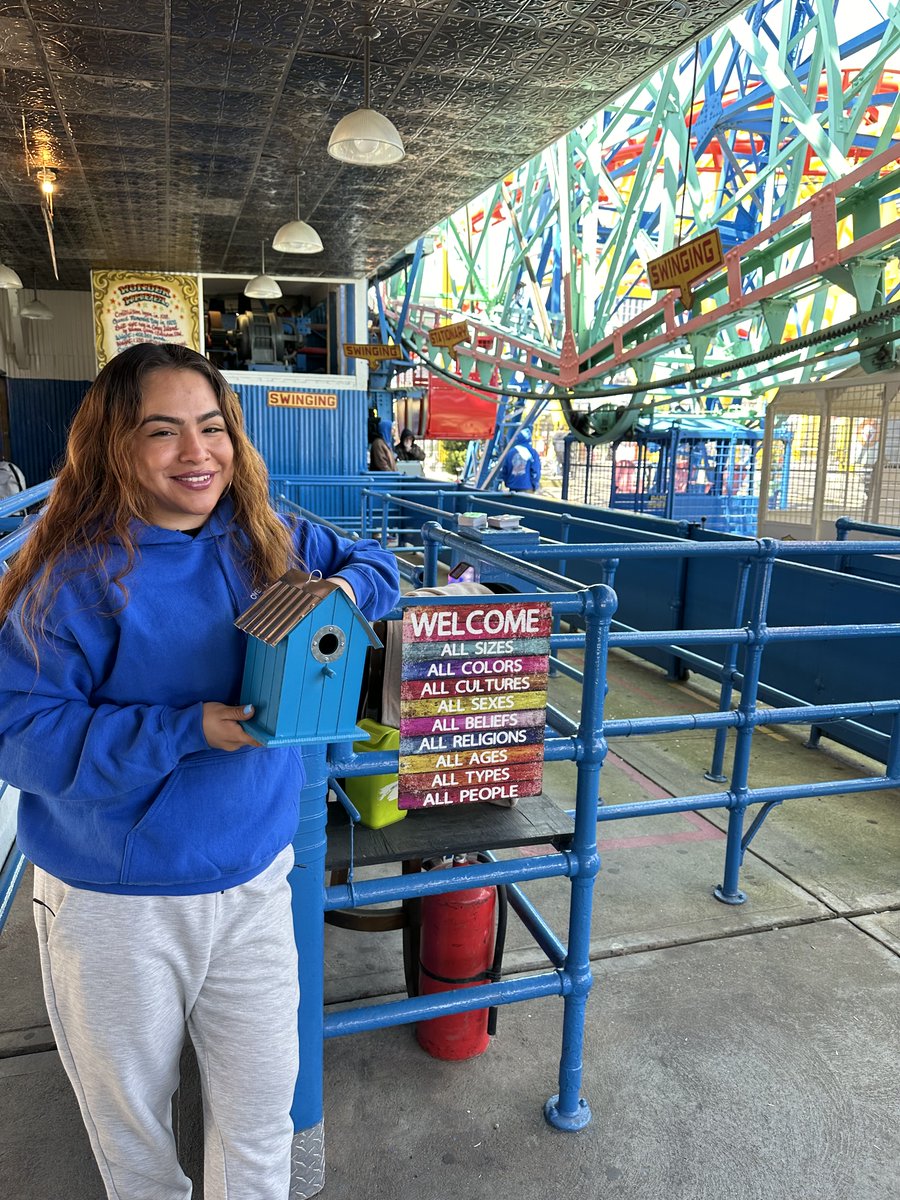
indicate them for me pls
(521, 466)
(159, 829)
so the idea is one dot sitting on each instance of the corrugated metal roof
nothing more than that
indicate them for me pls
(286, 602)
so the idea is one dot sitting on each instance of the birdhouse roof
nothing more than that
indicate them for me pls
(290, 600)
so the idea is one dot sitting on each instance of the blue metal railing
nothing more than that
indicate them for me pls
(571, 977)
(754, 636)
(701, 581)
(339, 498)
(582, 739)
(846, 525)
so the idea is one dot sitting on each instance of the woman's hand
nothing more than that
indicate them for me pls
(221, 726)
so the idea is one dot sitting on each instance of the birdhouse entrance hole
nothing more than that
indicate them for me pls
(328, 644)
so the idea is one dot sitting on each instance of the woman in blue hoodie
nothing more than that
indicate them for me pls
(159, 830)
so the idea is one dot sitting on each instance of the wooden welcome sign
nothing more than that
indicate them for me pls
(473, 702)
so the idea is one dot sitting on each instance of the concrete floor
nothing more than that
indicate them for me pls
(749, 1052)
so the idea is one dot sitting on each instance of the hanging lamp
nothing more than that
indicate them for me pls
(366, 138)
(262, 286)
(9, 279)
(297, 237)
(35, 310)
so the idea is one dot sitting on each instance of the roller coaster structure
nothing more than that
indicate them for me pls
(781, 131)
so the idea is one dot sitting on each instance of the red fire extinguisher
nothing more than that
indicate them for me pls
(458, 948)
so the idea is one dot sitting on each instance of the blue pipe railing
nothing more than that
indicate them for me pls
(583, 740)
(757, 560)
(875, 570)
(11, 505)
(846, 525)
(572, 977)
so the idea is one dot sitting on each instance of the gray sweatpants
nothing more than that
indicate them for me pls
(124, 975)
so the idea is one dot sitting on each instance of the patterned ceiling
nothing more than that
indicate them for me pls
(176, 127)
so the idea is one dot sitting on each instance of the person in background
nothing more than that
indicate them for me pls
(159, 829)
(381, 456)
(521, 467)
(407, 450)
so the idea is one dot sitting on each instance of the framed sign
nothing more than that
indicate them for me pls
(473, 701)
(131, 307)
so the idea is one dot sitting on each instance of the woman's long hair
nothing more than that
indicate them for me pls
(97, 494)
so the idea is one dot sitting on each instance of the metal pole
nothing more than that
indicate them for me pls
(307, 901)
(568, 1109)
(728, 891)
(729, 666)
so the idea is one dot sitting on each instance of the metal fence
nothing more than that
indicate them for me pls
(844, 456)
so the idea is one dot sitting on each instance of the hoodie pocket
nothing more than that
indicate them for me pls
(216, 817)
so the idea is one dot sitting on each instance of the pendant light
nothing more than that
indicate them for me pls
(35, 310)
(9, 279)
(263, 286)
(297, 237)
(365, 138)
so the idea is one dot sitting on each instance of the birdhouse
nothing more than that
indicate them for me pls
(303, 671)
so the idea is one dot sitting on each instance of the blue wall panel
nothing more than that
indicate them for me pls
(307, 441)
(40, 411)
(293, 441)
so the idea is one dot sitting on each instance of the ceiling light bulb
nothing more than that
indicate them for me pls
(365, 138)
(47, 179)
(262, 286)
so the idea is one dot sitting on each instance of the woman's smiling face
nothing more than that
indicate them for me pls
(183, 452)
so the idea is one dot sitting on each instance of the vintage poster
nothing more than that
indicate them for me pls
(139, 306)
(473, 701)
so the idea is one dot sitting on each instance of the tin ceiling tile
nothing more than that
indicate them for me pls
(107, 15)
(220, 63)
(17, 46)
(181, 154)
(143, 98)
(98, 51)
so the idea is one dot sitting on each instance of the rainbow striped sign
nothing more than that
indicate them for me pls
(473, 703)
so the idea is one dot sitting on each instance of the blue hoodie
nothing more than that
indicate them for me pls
(521, 467)
(120, 791)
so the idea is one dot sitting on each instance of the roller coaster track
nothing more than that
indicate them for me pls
(774, 131)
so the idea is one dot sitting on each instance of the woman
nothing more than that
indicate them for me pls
(159, 830)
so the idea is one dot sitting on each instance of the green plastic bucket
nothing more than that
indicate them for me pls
(376, 795)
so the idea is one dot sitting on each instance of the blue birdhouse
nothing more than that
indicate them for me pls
(303, 671)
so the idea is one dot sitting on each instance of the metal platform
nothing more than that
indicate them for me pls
(436, 833)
